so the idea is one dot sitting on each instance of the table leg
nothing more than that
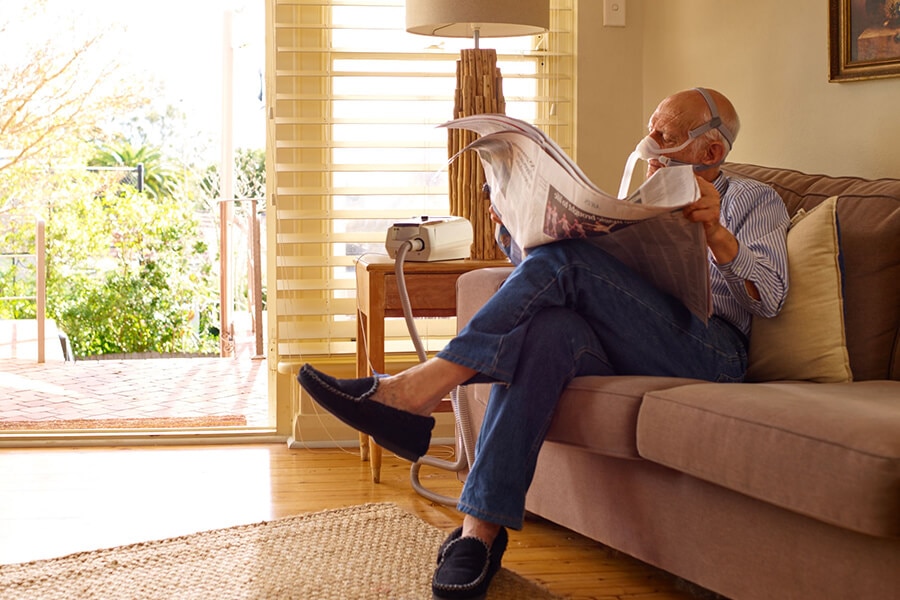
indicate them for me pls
(375, 458)
(363, 447)
(362, 370)
(370, 327)
(375, 336)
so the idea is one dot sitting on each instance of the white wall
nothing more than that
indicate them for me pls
(769, 57)
(609, 104)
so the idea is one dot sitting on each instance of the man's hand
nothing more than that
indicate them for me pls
(494, 217)
(705, 210)
(721, 242)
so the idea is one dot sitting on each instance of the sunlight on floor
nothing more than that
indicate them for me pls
(214, 486)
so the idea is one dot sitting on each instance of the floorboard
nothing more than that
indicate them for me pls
(58, 501)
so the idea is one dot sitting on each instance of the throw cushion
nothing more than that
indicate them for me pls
(806, 340)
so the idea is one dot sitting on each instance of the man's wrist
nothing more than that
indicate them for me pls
(722, 243)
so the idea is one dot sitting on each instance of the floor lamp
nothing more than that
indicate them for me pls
(479, 89)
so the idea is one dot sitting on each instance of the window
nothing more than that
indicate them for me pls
(353, 146)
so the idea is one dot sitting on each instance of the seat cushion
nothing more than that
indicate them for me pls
(828, 451)
(598, 414)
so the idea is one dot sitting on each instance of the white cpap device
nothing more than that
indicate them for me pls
(430, 238)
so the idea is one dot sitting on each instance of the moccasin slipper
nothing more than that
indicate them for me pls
(466, 566)
(403, 433)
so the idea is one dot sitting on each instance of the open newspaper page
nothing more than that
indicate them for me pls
(542, 196)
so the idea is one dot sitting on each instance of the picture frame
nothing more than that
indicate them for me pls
(864, 39)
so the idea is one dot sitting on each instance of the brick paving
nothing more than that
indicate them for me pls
(135, 388)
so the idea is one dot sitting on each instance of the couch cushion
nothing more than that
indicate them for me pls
(598, 414)
(806, 340)
(869, 217)
(828, 451)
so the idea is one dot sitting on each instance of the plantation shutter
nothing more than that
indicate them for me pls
(352, 147)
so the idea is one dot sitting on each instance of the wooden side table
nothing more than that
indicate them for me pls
(432, 293)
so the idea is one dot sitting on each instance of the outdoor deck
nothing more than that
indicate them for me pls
(133, 393)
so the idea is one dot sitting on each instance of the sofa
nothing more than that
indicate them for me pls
(785, 486)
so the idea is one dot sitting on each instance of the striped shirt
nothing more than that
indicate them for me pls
(756, 215)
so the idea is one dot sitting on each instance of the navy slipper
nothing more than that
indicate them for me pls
(405, 434)
(466, 566)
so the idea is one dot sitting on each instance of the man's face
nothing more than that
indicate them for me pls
(669, 126)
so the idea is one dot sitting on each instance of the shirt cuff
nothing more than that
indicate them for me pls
(741, 266)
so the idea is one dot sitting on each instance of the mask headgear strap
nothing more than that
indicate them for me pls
(714, 123)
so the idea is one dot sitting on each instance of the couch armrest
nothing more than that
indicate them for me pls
(474, 288)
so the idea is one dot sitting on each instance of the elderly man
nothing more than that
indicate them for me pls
(568, 310)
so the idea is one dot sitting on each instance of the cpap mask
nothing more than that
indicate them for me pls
(648, 149)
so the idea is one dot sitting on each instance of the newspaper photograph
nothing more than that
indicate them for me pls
(542, 196)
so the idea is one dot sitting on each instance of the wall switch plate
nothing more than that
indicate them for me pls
(614, 13)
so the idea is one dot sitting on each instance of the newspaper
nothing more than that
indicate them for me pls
(542, 196)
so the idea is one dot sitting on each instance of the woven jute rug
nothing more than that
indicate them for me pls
(372, 551)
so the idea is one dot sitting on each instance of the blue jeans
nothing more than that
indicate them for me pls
(570, 309)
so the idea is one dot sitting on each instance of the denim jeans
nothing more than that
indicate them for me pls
(570, 309)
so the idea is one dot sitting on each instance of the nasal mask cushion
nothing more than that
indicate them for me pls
(648, 149)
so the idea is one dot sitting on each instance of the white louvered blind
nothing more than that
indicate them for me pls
(353, 143)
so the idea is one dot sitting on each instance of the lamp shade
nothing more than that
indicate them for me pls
(492, 18)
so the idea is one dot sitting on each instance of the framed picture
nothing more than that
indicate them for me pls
(864, 39)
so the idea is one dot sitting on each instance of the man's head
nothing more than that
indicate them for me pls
(696, 127)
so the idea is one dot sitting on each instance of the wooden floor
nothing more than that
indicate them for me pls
(59, 501)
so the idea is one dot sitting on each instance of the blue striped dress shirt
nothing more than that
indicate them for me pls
(756, 215)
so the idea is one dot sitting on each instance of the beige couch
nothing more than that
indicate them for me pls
(784, 487)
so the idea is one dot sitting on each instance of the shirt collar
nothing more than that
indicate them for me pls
(721, 183)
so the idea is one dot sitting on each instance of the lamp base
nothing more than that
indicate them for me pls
(479, 90)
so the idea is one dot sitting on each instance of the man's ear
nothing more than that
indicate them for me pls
(715, 153)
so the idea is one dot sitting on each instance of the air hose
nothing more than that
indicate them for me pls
(465, 445)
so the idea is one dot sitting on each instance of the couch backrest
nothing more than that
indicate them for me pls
(869, 221)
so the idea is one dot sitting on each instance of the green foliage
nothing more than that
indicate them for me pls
(135, 276)
(159, 180)
(57, 83)
(132, 309)
(17, 286)
(250, 175)
(26, 190)
(126, 271)
(250, 167)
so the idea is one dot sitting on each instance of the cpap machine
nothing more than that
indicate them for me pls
(430, 238)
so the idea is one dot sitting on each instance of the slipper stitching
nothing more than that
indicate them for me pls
(338, 392)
